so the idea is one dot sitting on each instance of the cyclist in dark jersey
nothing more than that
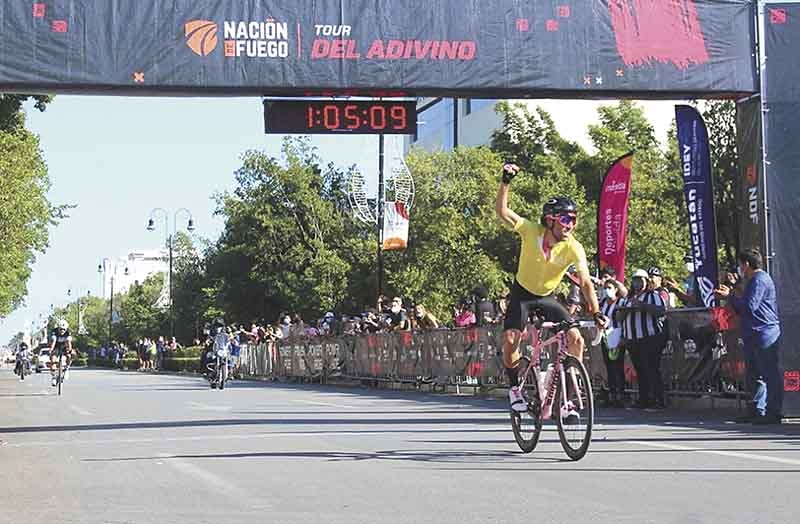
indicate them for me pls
(60, 344)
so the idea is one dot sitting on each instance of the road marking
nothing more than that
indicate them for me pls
(215, 481)
(80, 411)
(733, 454)
(328, 404)
(205, 407)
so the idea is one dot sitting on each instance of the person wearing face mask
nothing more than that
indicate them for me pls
(685, 293)
(612, 293)
(642, 319)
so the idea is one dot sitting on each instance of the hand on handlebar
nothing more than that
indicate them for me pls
(601, 321)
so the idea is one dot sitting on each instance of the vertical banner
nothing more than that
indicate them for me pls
(781, 181)
(698, 188)
(612, 215)
(750, 190)
(395, 226)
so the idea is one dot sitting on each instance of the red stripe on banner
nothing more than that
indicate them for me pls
(612, 215)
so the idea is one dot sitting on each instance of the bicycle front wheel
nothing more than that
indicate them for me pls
(527, 425)
(575, 416)
(59, 376)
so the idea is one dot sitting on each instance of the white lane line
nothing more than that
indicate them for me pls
(214, 481)
(80, 411)
(206, 407)
(733, 454)
(328, 404)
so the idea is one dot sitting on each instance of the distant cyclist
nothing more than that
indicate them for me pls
(548, 250)
(22, 357)
(60, 344)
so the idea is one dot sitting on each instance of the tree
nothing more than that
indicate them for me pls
(25, 212)
(189, 285)
(140, 314)
(289, 240)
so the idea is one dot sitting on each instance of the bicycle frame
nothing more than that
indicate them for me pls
(547, 389)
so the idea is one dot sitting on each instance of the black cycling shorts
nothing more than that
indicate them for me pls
(523, 302)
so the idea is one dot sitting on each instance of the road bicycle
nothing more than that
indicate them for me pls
(61, 369)
(563, 393)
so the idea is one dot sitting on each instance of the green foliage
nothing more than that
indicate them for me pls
(290, 240)
(25, 212)
(139, 311)
(189, 298)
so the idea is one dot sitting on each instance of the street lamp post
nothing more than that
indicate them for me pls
(79, 311)
(109, 265)
(170, 238)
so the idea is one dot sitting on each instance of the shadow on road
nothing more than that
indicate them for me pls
(489, 457)
(14, 395)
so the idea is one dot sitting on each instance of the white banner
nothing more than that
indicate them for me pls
(395, 226)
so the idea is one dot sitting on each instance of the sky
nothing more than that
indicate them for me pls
(118, 158)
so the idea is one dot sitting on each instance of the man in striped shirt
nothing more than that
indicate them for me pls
(642, 318)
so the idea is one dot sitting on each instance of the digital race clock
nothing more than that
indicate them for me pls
(337, 116)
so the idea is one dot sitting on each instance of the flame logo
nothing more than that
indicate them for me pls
(201, 36)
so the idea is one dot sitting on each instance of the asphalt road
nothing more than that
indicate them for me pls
(135, 448)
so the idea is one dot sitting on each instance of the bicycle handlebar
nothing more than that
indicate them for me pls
(569, 324)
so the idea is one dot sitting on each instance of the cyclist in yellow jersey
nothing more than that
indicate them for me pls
(548, 250)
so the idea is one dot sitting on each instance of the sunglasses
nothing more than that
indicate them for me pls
(567, 220)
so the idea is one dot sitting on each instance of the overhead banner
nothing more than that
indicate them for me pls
(612, 215)
(750, 187)
(395, 226)
(486, 48)
(782, 182)
(698, 189)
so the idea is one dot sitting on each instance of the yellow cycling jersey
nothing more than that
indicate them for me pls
(535, 273)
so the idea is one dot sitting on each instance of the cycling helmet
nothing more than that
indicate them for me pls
(558, 206)
(23, 346)
(62, 324)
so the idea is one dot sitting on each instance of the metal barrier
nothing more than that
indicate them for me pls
(698, 359)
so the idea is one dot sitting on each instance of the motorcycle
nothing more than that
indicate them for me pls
(218, 358)
(23, 364)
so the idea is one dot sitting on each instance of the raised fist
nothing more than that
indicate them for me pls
(509, 172)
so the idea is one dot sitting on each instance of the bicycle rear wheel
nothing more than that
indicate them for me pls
(576, 418)
(527, 425)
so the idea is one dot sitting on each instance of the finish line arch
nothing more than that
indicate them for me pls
(595, 49)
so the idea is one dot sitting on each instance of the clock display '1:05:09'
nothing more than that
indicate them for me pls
(391, 117)
(375, 117)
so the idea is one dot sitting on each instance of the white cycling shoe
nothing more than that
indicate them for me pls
(516, 400)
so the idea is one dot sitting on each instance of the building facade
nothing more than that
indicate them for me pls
(446, 123)
(133, 268)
